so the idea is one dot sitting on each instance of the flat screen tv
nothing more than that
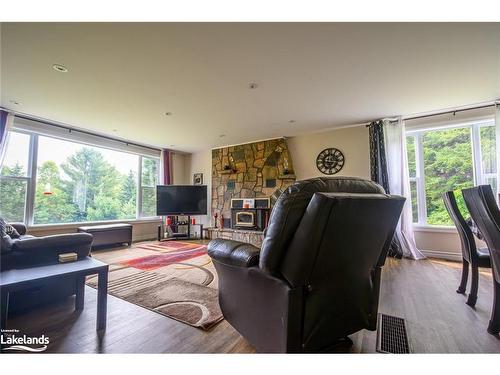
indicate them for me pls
(181, 200)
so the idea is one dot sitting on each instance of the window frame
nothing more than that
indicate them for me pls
(31, 178)
(30, 173)
(140, 186)
(478, 176)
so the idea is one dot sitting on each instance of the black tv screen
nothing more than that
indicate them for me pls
(181, 200)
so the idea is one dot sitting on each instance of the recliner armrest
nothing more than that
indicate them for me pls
(234, 253)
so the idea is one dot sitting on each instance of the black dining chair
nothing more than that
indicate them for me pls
(484, 211)
(471, 255)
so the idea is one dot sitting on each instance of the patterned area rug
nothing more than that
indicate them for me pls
(173, 278)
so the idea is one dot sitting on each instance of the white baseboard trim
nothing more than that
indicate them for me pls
(442, 255)
(144, 237)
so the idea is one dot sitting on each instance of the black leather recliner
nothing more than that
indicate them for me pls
(317, 277)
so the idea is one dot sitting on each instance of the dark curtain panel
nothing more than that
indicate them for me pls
(166, 174)
(378, 172)
(3, 130)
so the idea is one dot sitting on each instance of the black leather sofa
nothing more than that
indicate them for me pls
(316, 279)
(28, 251)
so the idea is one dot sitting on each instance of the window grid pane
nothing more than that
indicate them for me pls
(16, 159)
(414, 200)
(13, 199)
(488, 156)
(149, 180)
(81, 183)
(411, 155)
(448, 165)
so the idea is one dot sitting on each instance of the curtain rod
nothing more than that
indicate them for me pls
(449, 111)
(71, 129)
(444, 112)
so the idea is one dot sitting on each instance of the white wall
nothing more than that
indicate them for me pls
(439, 243)
(354, 144)
(180, 169)
(201, 162)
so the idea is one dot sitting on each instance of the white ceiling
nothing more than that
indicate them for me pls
(123, 77)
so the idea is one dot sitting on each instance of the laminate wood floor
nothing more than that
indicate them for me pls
(422, 292)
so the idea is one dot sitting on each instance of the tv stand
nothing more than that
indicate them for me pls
(174, 226)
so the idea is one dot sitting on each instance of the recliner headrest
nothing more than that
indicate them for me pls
(290, 207)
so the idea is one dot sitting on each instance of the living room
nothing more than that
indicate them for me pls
(250, 187)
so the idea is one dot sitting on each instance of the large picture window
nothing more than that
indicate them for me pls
(47, 180)
(444, 159)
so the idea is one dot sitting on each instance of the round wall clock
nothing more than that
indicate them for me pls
(330, 161)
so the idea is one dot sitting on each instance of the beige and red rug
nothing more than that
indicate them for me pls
(173, 278)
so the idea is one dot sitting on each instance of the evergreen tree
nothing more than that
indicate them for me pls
(84, 188)
(54, 205)
(12, 194)
(128, 196)
(129, 188)
(149, 182)
(93, 184)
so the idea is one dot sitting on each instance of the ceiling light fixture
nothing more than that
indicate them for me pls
(292, 121)
(168, 113)
(252, 85)
(60, 68)
(15, 102)
(222, 135)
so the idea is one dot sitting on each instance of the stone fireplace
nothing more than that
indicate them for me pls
(253, 170)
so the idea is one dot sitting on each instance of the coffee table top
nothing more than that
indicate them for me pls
(19, 276)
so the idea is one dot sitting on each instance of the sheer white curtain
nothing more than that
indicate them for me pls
(497, 135)
(399, 183)
(6, 121)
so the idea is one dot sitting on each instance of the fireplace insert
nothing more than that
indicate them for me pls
(250, 214)
(244, 219)
(249, 218)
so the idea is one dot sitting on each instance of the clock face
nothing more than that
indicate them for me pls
(330, 161)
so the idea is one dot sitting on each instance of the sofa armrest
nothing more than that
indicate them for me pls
(28, 252)
(5, 244)
(20, 228)
(59, 243)
(234, 253)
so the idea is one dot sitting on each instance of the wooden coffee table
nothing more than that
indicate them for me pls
(19, 279)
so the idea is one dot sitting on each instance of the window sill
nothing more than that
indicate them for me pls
(434, 228)
(45, 227)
